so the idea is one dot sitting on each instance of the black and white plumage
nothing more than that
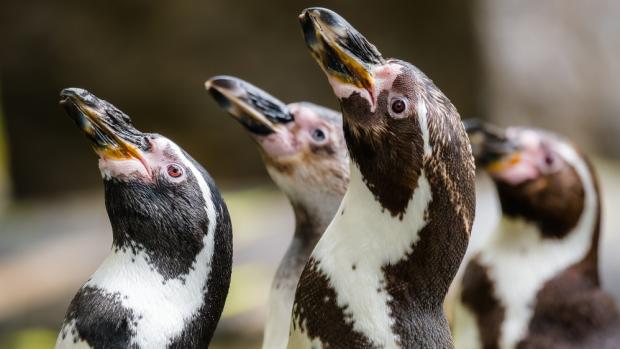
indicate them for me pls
(304, 151)
(535, 283)
(165, 281)
(378, 276)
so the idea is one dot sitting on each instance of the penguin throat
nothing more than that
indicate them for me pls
(312, 220)
(400, 259)
(360, 246)
(389, 171)
(518, 253)
(314, 204)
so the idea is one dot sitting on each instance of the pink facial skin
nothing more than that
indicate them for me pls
(383, 75)
(281, 143)
(536, 158)
(292, 138)
(149, 166)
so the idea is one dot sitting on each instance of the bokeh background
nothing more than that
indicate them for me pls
(551, 63)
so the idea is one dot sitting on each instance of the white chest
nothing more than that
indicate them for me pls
(161, 308)
(359, 242)
(520, 262)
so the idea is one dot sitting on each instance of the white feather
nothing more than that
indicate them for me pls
(161, 307)
(68, 341)
(369, 237)
(366, 235)
(520, 261)
(422, 113)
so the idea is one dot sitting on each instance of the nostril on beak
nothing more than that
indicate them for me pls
(148, 144)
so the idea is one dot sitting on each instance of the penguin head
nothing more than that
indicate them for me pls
(156, 194)
(392, 112)
(539, 176)
(374, 92)
(301, 143)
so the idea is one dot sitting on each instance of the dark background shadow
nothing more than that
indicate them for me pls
(151, 58)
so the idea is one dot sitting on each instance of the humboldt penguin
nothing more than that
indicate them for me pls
(165, 280)
(304, 152)
(379, 274)
(535, 283)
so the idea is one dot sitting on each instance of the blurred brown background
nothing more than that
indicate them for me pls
(151, 60)
(547, 63)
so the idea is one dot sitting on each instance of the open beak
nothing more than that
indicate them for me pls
(341, 51)
(490, 146)
(109, 129)
(258, 111)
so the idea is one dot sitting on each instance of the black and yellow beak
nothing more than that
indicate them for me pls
(491, 148)
(258, 111)
(109, 129)
(341, 51)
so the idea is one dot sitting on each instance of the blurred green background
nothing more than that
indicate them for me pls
(545, 63)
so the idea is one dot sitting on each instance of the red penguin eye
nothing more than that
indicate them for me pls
(175, 170)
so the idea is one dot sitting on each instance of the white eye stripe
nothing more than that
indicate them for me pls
(422, 113)
(179, 299)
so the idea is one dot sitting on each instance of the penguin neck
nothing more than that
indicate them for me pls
(133, 237)
(394, 245)
(360, 246)
(312, 218)
(518, 253)
(311, 221)
(185, 301)
(578, 248)
(171, 252)
(386, 258)
(314, 205)
(183, 267)
(516, 238)
(361, 209)
(399, 252)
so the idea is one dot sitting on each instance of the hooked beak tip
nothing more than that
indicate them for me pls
(489, 143)
(342, 52)
(258, 111)
(220, 82)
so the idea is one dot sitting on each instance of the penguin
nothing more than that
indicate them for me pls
(535, 283)
(164, 283)
(378, 276)
(303, 149)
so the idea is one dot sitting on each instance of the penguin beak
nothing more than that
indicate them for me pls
(258, 111)
(491, 147)
(341, 51)
(110, 130)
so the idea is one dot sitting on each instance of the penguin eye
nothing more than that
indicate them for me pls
(397, 107)
(318, 135)
(549, 160)
(174, 171)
